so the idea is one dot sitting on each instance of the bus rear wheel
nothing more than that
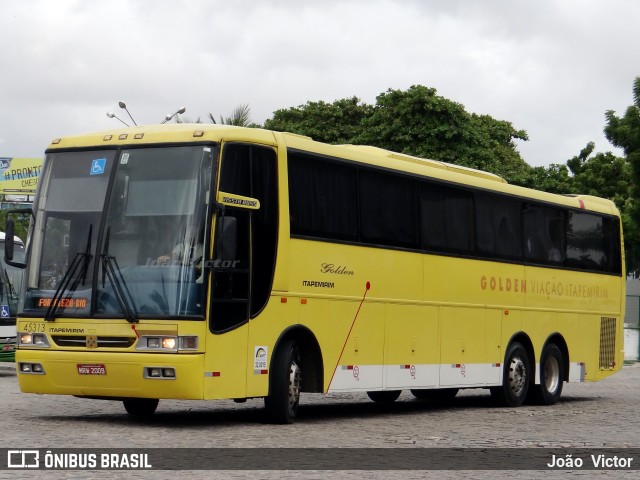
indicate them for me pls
(285, 384)
(140, 407)
(440, 395)
(551, 376)
(385, 396)
(515, 378)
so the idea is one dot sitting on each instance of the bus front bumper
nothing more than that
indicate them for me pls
(115, 375)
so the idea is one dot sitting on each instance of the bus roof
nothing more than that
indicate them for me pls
(197, 132)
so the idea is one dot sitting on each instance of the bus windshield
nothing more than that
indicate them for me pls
(120, 233)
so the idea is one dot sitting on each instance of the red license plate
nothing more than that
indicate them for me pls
(91, 369)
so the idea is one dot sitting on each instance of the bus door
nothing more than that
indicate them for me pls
(243, 262)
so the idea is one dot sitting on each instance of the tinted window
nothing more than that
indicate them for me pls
(498, 226)
(323, 198)
(611, 234)
(544, 234)
(592, 242)
(388, 209)
(446, 219)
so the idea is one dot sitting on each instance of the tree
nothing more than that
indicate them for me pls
(335, 123)
(553, 179)
(240, 117)
(603, 175)
(624, 132)
(415, 122)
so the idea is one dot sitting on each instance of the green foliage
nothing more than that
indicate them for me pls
(336, 123)
(554, 179)
(624, 132)
(415, 122)
(240, 117)
(419, 122)
(603, 175)
(21, 223)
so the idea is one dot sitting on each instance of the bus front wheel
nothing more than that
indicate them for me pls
(285, 384)
(140, 407)
(515, 378)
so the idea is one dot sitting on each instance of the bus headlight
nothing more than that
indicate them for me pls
(168, 343)
(33, 339)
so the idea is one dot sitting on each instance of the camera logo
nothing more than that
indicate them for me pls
(23, 459)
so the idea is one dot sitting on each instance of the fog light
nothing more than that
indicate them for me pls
(160, 373)
(31, 368)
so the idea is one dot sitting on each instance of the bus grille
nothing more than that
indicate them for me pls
(607, 342)
(102, 342)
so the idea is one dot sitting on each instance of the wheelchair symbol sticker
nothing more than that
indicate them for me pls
(97, 166)
(4, 311)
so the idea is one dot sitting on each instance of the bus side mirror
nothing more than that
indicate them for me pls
(8, 240)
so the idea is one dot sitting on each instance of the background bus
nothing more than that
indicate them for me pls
(297, 266)
(10, 284)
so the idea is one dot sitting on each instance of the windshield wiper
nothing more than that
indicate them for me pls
(12, 294)
(120, 289)
(69, 276)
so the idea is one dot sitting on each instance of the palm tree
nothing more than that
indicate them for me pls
(240, 117)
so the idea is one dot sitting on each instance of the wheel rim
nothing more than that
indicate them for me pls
(295, 377)
(517, 376)
(551, 374)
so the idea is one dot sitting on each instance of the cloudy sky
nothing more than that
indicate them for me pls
(551, 67)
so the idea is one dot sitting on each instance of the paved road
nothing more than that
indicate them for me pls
(590, 415)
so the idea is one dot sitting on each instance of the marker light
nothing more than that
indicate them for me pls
(188, 343)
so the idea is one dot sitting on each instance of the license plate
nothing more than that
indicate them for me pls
(92, 369)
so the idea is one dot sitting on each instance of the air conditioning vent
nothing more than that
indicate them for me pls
(607, 343)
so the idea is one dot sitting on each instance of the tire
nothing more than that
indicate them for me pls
(140, 407)
(516, 378)
(384, 396)
(285, 384)
(551, 376)
(440, 395)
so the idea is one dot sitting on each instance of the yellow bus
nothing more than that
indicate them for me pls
(217, 262)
